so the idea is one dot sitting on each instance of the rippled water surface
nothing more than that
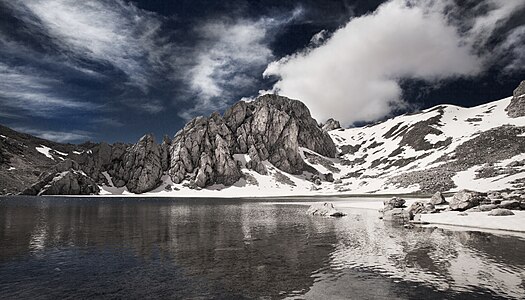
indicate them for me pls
(233, 249)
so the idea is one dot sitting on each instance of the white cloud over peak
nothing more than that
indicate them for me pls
(353, 76)
(227, 53)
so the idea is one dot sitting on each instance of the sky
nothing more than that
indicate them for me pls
(72, 71)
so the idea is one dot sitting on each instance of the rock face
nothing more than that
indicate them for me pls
(331, 124)
(324, 209)
(465, 199)
(270, 128)
(501, 212)
(438, 199)
(516, 107)
(63, 179)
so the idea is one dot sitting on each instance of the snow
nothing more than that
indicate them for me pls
(45, 150)
(111, 190)
(479, 220)
(3, 136)
(513, 225)
(77, 152)
(11, 168)
(467, 180)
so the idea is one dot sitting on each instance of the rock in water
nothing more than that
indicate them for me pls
(270, 128)
(465, 199)
(394, 202)
(324, 209)
(438, 199)
(398, 215)
(419, 207)
(331, 124)
(501, 212)
(516, 107)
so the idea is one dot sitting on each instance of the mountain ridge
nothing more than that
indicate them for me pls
(273, 146)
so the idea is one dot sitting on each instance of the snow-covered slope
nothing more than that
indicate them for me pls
(445, 148)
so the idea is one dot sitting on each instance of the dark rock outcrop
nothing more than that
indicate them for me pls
(65, 178)
(516, 107)
(270, 128)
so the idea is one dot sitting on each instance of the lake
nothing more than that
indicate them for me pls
(59, 247)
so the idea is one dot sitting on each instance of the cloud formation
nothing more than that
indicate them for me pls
(110, 32)
(35, 95)
(57, 136)
(353, 76)
(229, 58)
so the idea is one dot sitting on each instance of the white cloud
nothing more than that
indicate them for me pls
(354, 75)
(226, 52)
(111, 32)
(57, 136)
(33, 93)
(225, 57)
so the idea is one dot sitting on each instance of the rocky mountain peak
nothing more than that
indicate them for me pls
(269, 128)
(331, 124)
(516, 107)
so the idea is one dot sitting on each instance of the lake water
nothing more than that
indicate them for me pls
(115, 248)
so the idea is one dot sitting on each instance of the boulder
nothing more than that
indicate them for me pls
(465, 199)
(501, 212)
(509, 204)
(394, 202)
(324, 209)
(419, 207)
(397, 215)
(438, 199)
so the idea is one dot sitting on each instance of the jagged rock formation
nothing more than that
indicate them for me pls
(270, 128)
(331, 124)
(516, 107)
(65, 178)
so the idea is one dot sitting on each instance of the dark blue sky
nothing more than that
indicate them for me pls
(113, 70)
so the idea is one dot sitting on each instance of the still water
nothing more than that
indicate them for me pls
(240, 249)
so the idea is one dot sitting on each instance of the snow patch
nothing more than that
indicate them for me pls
(45, 150)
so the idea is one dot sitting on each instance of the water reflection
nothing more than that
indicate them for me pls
(52, 247)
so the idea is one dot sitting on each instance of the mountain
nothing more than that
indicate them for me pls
(272, 146)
